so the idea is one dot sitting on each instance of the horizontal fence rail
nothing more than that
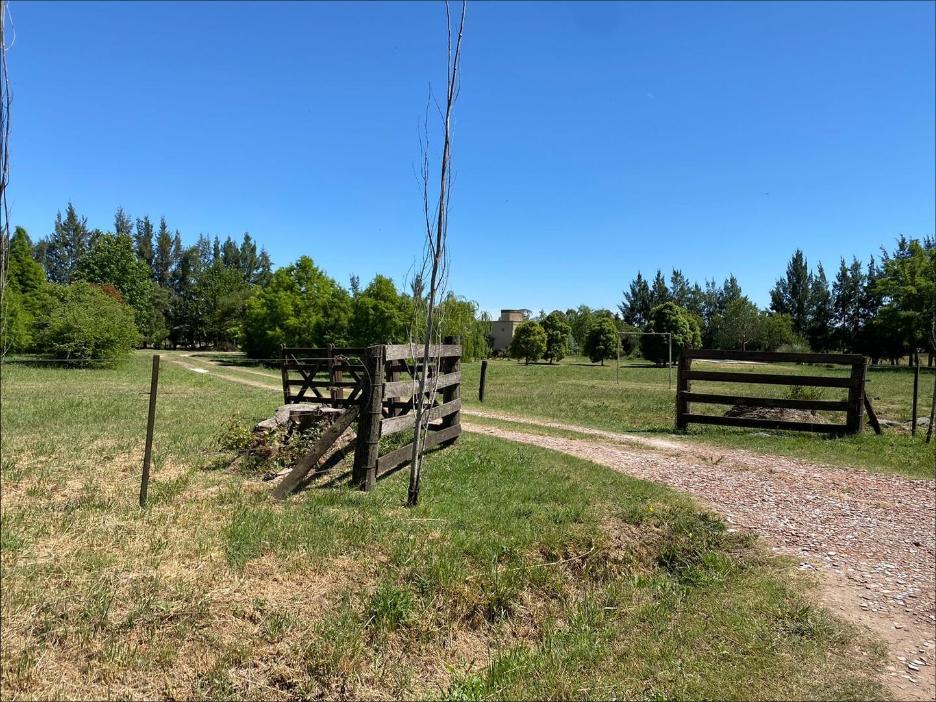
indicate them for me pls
(853, 406)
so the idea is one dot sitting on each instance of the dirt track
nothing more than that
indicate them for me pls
(871, 536)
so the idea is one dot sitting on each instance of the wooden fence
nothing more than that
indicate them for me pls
(376, 386)
(853, 406)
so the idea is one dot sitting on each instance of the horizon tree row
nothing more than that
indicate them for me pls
(214, 293)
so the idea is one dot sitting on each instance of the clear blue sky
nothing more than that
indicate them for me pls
(592, 140)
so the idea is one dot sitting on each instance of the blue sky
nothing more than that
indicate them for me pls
(592, 140)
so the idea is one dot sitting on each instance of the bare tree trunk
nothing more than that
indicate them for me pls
(437, 248)
(4, 178)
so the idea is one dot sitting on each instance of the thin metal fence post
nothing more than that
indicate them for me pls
(916, 392)
(150, 421)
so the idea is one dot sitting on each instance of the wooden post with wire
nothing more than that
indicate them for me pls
(484, 365)
(932, 421)
(150, 421)
(916, 395)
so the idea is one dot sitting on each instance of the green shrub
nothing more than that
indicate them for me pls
(529, 342)
(601, 340)
(86, 323)
(669, 317)
(804, 392)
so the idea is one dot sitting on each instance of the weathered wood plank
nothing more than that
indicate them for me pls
(402, 455)
(396, 352)
(845, 359)
(324, 400)
(770, 379)
(323, 351)
(324, 383)
(751, 423)
(408, 421)
(307, 462)
(872, 416)
(783, 402)
(404, 388)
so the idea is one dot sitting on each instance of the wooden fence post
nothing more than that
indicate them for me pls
(930, 429)
(484, 365)
(150, 421)
(682, 385)
(916, 394)
(364, 472)
(856, 391)
(451, 364)
(284, 373)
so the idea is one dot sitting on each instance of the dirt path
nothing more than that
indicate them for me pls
(872, 537)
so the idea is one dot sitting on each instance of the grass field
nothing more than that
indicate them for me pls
(578, 392)
(523, 573)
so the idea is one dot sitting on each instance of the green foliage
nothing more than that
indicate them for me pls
(743, 326)
(529, 341)
(68, 243)
(111, 260)
(670, 317)
(301, 306)
(907, 288)
(87, 323)
(601, 341)
(558, 336)
(26, 298)
(221, 293)
(379, 314)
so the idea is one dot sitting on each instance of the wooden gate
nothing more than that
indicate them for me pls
(378, 384)
(853, 406)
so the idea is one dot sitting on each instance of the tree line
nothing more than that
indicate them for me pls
(885, 309)
(82, 292)
(88, 293)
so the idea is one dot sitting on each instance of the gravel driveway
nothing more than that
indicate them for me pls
(872, 536)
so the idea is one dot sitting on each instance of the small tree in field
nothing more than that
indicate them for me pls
(529, 342)
(601, 340)
(670, 317)
(558, 335)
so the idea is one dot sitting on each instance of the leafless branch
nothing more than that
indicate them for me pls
(426, 317)
(4, 177)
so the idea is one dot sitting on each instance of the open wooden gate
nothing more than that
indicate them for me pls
(376, 388)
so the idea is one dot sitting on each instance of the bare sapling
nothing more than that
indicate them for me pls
(435, 259)
(4, 179)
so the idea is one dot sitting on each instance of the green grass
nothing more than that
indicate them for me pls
(522, 574)
(577, 392)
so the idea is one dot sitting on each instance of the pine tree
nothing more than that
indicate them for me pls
(638, 301)
(163, 258)
(264, 269)
(69, 240)
(659, 293)
(791, 294)
(679, 288)
(122, 222)
(847, 298)
(144, 240)
(820, 311)
(230, 254)
(248, 259)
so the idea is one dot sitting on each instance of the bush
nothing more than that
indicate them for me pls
(87, 323)
(558, 336)
(601, 340)
(529, 342)
(670, 317)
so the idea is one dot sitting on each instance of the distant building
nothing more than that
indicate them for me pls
(502, 330)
